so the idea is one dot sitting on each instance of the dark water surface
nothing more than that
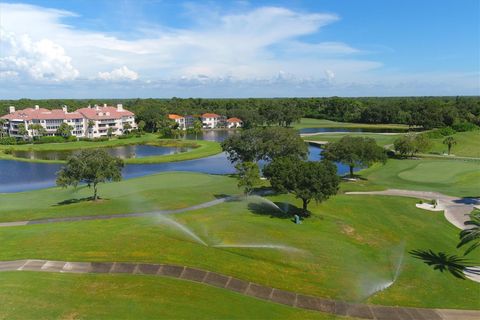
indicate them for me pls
(16, 176)
(123, 152)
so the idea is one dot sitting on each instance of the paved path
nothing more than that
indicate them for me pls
(456, 211)
(293, 299)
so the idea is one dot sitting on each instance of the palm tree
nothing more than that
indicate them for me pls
(449, 141)
(472, 234)
(22, 130)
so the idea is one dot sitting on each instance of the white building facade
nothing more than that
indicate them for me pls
(91, 122)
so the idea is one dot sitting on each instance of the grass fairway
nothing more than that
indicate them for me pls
(381, 139)
(350, 245)
(322, 123)
(201, 149)
(468, 145)
(452, 177)
(33, 295)
(163, 191)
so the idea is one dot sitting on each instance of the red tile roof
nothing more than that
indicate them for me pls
(174, 116)
(100, 113)
(210, 115)
(41, 114)
(232, 120)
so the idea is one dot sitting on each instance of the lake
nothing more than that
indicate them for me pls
(16, 176)
(123, 152)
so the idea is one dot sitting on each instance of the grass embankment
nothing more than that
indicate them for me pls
(163, 191)
(322, 123)
(452, 177)
(381, 139)
(200, 148)
(468, 145)
(32, 295)
(350, 245)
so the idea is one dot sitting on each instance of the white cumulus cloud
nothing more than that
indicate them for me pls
(23, 57)
(120, 74)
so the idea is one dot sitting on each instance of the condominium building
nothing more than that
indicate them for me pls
(92, 122)
(213, 120)
(234, 123)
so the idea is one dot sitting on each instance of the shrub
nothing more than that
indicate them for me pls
(8, 151)
(464, 126)
(446, 131)
(49, 139)
(440, 133)
(8, 141)
(94, 139)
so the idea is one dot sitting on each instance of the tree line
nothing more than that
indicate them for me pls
(426, 112)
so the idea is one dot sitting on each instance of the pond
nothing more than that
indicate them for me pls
(123, 152)
(16, 176)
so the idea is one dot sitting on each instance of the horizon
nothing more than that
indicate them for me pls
(238, 49)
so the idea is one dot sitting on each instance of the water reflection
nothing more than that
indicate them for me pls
(16, 176)
(123, 152)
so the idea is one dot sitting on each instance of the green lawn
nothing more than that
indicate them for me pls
(322, 123)
(169, 190)
(349, 245)
(452, 177)
(381, 139)
(34, 295)
(201, 148)
(468, 145)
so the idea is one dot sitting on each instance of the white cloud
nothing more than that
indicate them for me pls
(35, 60)
(119, 74)
(236, 54)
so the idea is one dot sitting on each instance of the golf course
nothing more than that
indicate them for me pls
(352, 248)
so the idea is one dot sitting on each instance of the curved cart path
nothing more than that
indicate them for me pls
(293, 299)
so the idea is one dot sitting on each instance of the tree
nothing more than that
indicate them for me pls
(305, 179)
(248, 176)
(197, 128)
(127, 127)
(450, 142)
(90, 166)
(141, 125)
(90, 126)
(472, 234)
(2, 130)
(355, 152)
(411, 143)
(22, 130)
(37, 129)
(264, 144)
(109, 132)
(64, 130)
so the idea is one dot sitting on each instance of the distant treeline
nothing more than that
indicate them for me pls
(428, 112)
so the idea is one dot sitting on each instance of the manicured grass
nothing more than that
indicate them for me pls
(34, 295)
(350, 245)
(169, 190)
(468, 145)
(381, 139)
(322, 123)
(452, 177)
(200, 149)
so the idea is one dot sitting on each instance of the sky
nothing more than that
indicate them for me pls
(219, 49)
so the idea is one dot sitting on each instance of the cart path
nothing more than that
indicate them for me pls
(289, 298)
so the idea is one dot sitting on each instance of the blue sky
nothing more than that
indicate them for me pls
(155, 48)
